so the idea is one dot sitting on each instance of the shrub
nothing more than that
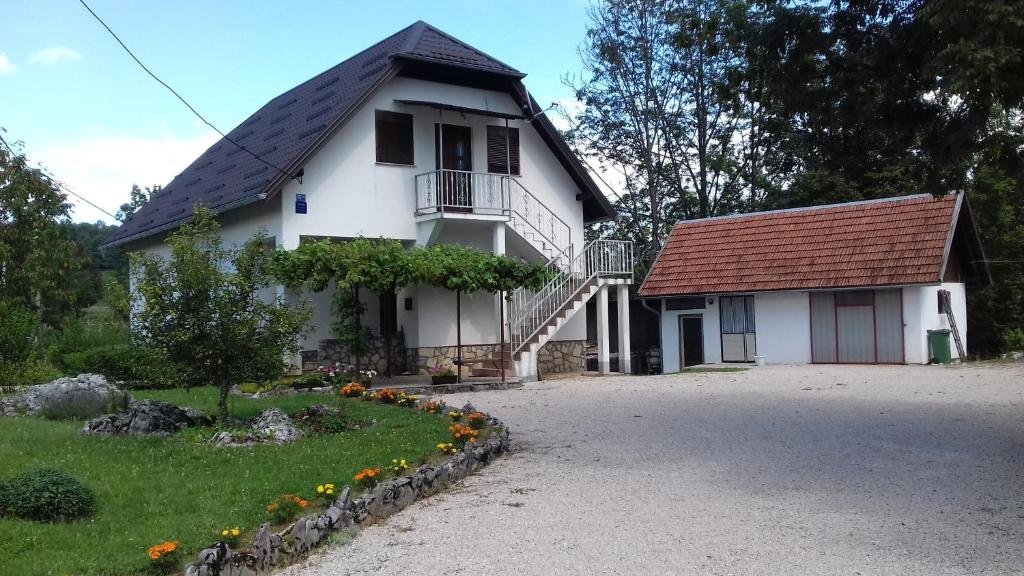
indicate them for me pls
(477, 420)
(286, 508)
(19, 327)
(463, 434)
(325, 492)
(369, 477)
(46, 495)
(137, 366)
(164, 558)
(26, 373)
(307, 381)
(1013, 340)
(322, 419)
(352, 390)
(86, 333)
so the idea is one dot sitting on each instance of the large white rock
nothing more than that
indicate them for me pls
(82, 396)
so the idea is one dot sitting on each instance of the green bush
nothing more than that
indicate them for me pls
(137, 366)
(19, 327)
(26, 373)
(307, 381)
(46, 495)
(96, 329)
(1013, 340)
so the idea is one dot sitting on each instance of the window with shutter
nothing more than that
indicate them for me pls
(394, 137)
(498, 155)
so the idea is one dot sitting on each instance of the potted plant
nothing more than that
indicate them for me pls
(442, 374)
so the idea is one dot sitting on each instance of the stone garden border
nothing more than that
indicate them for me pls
(274, 549)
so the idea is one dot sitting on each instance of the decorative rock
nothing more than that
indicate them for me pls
(263, 550)
(85, 395)
(306, 535)
(143, 418)
(275, 426)
(268, 548)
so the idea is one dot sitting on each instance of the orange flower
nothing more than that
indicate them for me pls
(303, 503)
(272, 507)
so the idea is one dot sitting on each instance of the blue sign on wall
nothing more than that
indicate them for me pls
(300, 203)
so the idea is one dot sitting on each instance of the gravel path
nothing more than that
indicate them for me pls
(777, 470)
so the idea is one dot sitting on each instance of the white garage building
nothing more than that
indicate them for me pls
(860, 282)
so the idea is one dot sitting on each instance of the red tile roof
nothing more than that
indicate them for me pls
(874, 243)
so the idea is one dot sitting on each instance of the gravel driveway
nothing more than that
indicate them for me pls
(777, 470)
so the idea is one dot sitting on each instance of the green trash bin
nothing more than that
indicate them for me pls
(938, 344)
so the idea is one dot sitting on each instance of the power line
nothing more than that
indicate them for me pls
(179, 96)
(59, 184)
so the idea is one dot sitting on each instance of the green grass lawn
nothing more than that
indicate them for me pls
(149, 490)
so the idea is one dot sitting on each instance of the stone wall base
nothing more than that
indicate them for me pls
(555, 357)
(562, 357)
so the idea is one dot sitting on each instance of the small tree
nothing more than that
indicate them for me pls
(203, 308)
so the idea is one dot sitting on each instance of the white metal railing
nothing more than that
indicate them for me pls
(539, 219)
(529, 312)
(458, 191)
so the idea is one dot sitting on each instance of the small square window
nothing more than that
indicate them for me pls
(394, 137)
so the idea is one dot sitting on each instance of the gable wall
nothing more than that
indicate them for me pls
(349, 194)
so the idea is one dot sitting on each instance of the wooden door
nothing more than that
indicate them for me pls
(691, 340)
(453, 147)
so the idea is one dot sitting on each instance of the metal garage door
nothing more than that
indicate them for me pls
(857, 326)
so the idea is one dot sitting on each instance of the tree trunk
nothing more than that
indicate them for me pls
(388, 335)
(222, 403)
(358, 348)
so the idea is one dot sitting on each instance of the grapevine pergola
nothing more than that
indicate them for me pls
(384, 266)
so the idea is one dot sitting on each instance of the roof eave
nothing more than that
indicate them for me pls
(176, 223)
(449, 64)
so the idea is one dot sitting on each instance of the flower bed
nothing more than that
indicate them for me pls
(380, 500)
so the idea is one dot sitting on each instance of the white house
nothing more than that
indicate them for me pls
(423, 139)
(847, 283)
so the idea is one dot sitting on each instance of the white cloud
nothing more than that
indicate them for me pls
(52, 56)
(6, 66)
(103, 169)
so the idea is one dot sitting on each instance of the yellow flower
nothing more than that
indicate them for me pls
(320, 489)
(329, 486)
(235, 531)
(330, 491)
(224, 533)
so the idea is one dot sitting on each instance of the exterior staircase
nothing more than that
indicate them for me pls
(534, 317)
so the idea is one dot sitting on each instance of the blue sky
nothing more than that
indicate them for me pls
(94, 119)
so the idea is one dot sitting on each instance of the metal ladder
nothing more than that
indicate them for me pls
(947, 307)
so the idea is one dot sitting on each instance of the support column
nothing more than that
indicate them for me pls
(603, 353)
(625, 360)
(498, 235)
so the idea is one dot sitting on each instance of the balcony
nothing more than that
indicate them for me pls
(496, 197)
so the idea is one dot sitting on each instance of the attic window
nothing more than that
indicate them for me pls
(498, 156)
(394, 137)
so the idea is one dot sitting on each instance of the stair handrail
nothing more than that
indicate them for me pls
(530, 313)
(560, 234)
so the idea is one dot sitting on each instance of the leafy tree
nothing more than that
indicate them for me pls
(996, 197)
(204, 308)
(36, 256)
(137, 200)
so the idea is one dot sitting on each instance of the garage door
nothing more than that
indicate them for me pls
(857, 326)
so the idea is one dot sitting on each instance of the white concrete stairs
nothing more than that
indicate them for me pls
(524, 360)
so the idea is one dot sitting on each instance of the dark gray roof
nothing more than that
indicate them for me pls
(288, 128)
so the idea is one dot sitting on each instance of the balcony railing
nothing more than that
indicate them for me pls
(459, 192)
